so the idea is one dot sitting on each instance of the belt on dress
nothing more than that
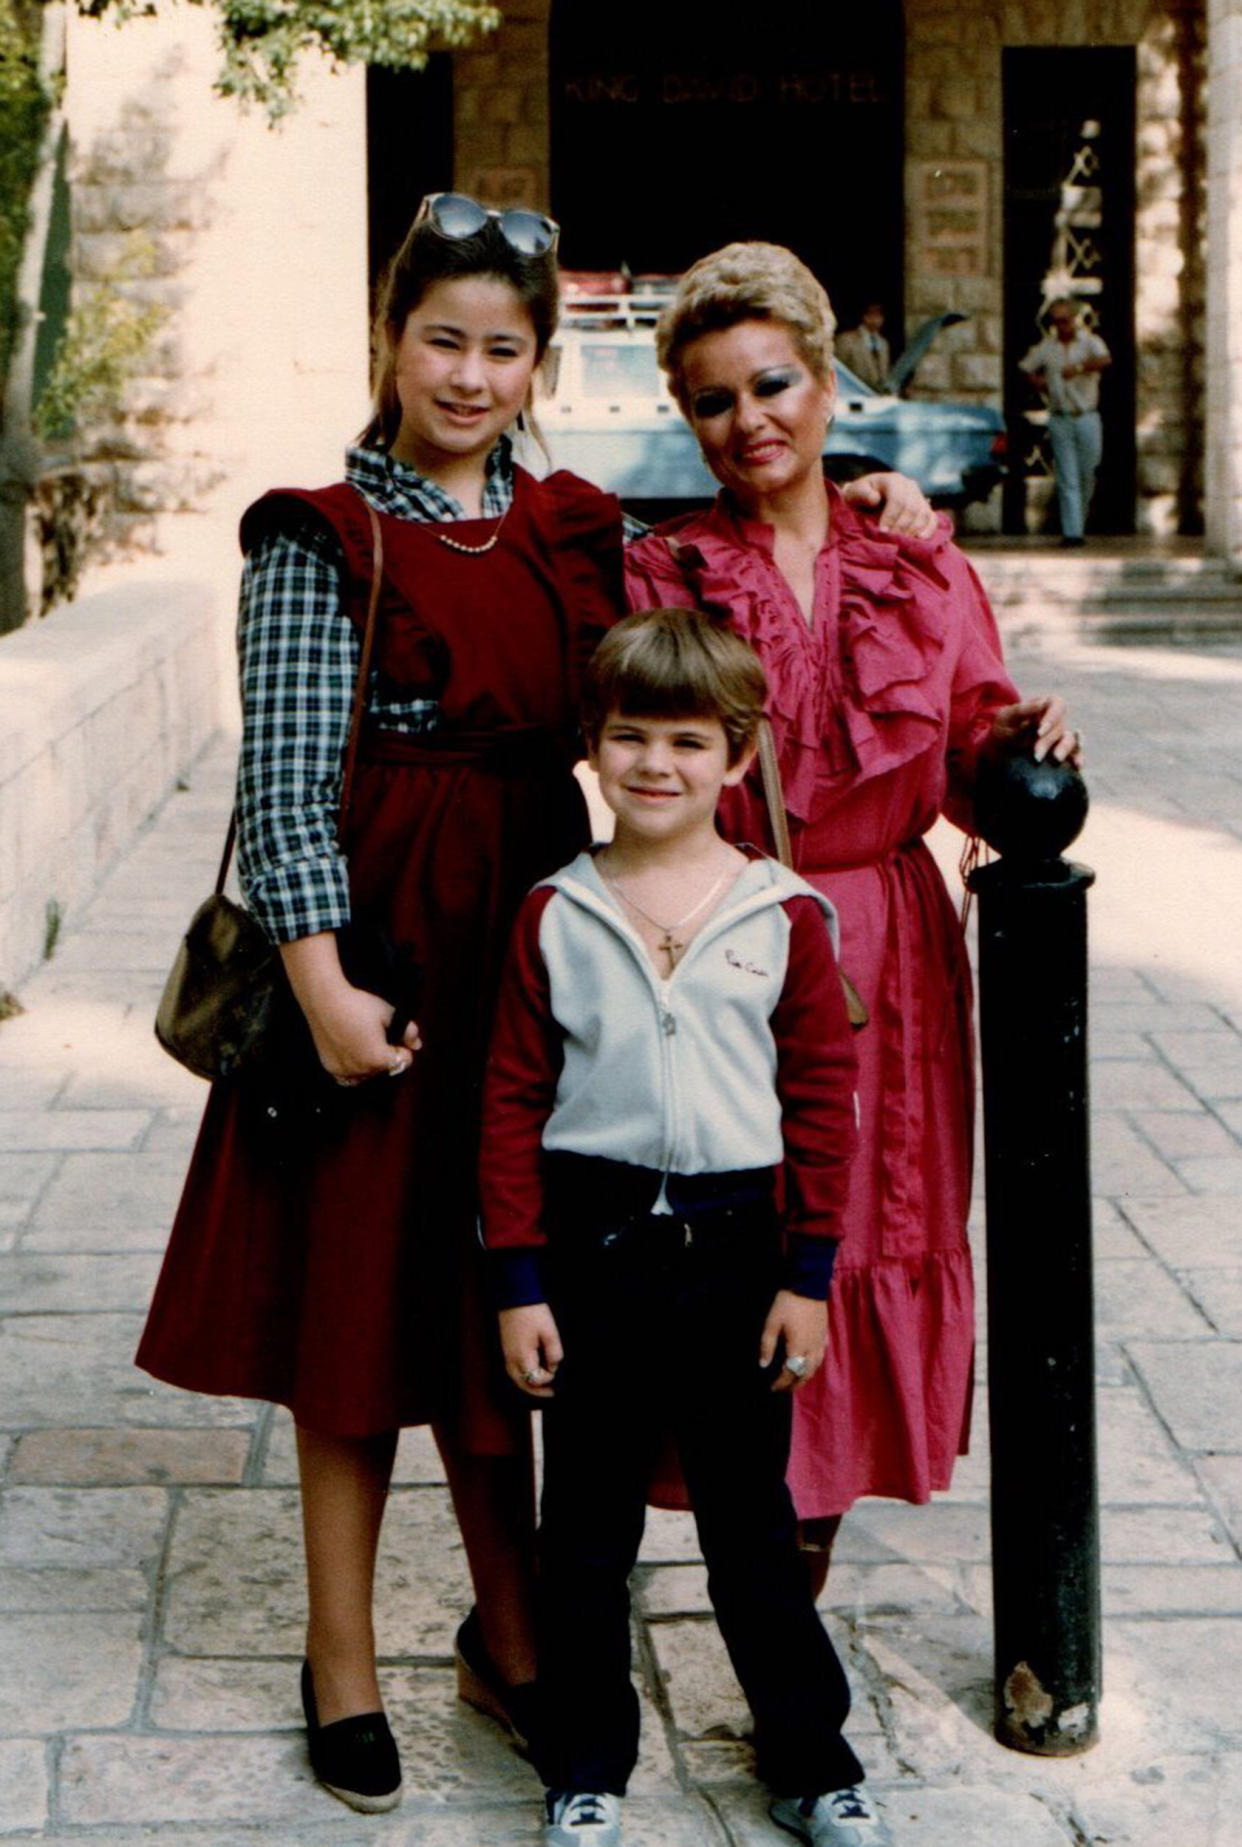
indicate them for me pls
(826, 868)
(529, 748)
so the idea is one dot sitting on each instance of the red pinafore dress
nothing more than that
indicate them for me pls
(346, 1283)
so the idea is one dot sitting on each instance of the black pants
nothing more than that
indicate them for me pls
(660, 1318)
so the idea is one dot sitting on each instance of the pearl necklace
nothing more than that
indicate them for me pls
(474, 551)
(668, 942)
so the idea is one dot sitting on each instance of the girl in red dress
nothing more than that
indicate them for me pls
(343, 1282)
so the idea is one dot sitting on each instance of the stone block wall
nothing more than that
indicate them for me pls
(955, 154)
(135, 226)
(101, 710)
(250, 242)
(954, 192)
(500, 108)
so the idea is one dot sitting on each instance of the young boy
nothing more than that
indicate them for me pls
(647, 1080)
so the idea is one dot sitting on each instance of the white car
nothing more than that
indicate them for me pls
(605, 412)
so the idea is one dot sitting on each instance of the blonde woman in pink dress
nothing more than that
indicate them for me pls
(887, 683)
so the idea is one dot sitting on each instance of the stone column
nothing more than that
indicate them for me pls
(1224, 292)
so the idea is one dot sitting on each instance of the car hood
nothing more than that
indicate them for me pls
(904, 368)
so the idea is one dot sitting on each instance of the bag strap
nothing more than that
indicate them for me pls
(773, 793)
(778, 821)
(769, 768)
(227, 856)
(364, 668)
(359, 701)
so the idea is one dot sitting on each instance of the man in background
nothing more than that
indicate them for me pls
(1066, 367)
(864, 348)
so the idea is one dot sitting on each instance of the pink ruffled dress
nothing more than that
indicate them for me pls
(879, 707)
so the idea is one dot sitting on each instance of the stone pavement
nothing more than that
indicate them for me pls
(150, 1593)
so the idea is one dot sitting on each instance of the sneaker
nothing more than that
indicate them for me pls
(842, 1818)
(577, 1818)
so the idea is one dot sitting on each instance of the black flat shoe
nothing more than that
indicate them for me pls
(355, 1759)
(481, 1685)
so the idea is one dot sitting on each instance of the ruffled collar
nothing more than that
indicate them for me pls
(847, 697)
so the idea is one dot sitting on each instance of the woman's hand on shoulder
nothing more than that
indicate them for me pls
(348, 1025)
(904, 508)
(1037, 726)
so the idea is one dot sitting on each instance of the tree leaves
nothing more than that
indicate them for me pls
(263, 41)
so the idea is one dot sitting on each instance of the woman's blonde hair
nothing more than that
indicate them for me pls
(746, 282)
(675, 663)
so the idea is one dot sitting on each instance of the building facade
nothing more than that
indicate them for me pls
(978, 157)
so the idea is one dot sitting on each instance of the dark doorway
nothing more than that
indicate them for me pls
(676, 128)
(1069, 230)
(409, 149)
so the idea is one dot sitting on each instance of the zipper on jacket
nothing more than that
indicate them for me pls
(668, 1031)
(723, 919)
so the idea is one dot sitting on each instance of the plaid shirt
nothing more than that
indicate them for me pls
(299, 662)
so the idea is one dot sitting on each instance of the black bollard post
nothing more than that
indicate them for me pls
(1041, 1370)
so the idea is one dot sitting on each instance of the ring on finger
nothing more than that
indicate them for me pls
(797, 1363)
(531, 1377)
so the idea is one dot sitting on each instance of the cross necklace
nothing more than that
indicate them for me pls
(668, 943)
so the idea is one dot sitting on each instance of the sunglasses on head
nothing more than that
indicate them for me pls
(455, 216)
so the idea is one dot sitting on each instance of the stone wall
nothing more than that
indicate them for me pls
(500, 106)
(954, 137)
(101, 710)
(954, 180)
(251, 242)
(134, 228)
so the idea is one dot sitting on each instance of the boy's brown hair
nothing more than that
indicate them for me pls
(675, 663)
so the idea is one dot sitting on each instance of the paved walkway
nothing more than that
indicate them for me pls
(150, 1596)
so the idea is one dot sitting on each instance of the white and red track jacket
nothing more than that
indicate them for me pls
(740, 1059)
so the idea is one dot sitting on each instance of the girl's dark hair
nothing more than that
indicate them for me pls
(426, 258)
(675, 663)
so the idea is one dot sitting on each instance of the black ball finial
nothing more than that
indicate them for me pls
(1029, 811)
